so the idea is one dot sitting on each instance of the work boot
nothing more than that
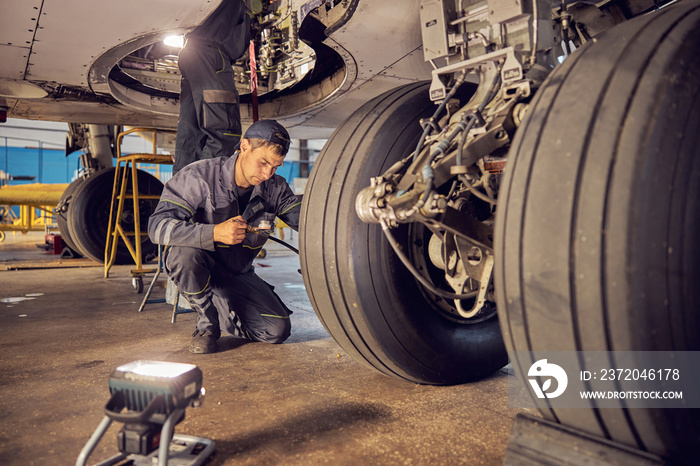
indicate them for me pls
(203, 342)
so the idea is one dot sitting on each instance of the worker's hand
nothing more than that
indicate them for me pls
(231, 232)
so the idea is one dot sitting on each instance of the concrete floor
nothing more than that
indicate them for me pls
(303, 402)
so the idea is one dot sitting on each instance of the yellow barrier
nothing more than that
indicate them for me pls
(35, 201)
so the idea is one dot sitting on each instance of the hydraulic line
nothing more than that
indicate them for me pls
(465, 134)
(533, 56)
(464, 127)
(476, 192)
(452, 189)
(495, 85)
(439, 110)
(407, 263)
(428, 175)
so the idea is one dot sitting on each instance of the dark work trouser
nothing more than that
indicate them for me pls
(210, 121)
(241, 304)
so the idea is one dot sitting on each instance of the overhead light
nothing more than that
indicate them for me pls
(150, 398)
(177, 40)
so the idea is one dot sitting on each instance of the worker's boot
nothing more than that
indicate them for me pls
(207, 331)
(203, 342)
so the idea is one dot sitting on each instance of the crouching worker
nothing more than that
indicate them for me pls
(215, 215)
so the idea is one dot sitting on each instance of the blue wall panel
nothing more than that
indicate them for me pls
(46, 165)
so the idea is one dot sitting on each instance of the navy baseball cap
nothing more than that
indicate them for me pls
(269, 130)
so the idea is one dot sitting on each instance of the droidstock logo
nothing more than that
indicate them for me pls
(542, 369)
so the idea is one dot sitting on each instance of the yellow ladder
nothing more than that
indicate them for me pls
(127, 166)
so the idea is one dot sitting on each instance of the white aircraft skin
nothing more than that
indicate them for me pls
(56, 56)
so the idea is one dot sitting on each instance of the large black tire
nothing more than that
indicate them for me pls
(62, 216)
(366, 299)
(88, 215)
(597, 231)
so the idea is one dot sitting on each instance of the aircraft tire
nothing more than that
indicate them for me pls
(89, 215)
(62, 217)
(366, 299)
(596, 232)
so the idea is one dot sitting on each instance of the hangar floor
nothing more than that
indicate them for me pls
(303, 402)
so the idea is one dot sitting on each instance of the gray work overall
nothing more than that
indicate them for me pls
(218, 280)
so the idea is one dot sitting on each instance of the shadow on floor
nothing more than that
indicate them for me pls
(295, 433)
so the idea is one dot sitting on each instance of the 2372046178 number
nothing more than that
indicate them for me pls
(637, 374)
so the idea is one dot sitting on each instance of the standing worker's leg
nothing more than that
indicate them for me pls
(191, 270)
(254, 309)
(190, 138)
(216, 101)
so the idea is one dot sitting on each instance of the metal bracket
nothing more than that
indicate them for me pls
(484, 281)
(437, 88)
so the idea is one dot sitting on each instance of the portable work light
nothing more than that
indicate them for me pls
(150, 398)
